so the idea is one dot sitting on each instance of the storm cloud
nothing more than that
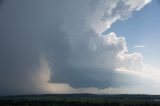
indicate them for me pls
(65, 35)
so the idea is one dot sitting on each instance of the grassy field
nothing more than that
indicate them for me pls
(80, 100)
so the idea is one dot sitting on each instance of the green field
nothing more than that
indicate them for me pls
(80, 100)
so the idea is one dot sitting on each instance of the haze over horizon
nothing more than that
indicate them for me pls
(79, 46)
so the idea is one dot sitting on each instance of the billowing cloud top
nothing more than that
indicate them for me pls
(60, 41)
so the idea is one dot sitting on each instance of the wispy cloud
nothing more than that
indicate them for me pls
(139, 46)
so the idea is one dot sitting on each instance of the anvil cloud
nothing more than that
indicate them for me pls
(54, 42)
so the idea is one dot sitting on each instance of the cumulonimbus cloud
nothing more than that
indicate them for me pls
(67, 36)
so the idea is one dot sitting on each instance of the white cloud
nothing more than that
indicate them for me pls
(139, 46)
(109, 11)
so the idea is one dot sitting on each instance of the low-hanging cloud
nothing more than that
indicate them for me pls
(65, 35)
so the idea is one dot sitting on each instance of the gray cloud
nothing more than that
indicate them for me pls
(91, 62)
(65, 33)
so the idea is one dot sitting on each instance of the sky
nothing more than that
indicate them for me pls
(79, 46)
(146, 32)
